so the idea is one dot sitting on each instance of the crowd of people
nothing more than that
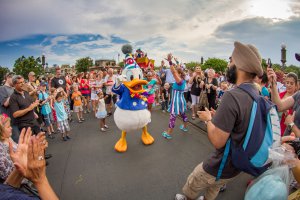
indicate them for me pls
(36, 109)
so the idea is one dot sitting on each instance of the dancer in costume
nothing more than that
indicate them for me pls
(178, 104)
(131, 112)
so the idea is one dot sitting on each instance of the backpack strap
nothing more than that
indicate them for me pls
(224, 159)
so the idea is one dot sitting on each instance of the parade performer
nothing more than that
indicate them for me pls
(131, 112)
(178, 104)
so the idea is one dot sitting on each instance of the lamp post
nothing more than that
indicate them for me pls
(201, 60)
(47, 69)
(43, 61)
(283, 55)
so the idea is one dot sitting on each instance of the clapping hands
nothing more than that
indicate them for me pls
(29, 156)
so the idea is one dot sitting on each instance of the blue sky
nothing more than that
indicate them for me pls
(67, 30)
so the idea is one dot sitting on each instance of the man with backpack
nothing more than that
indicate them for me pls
(231, 129)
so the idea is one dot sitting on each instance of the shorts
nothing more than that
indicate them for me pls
(200, 180)
(94, 96)
(151, 98)
(64, 126)
(78, 109)
(111, 97)
(101, 115)
(48, 119)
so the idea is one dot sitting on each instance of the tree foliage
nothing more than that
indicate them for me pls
(25, 65)
(3, 71)
(219, 65)
(293, 68)
(121, 64)
(192, 65)
(83, 64)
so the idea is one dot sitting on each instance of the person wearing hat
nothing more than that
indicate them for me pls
(230, 120)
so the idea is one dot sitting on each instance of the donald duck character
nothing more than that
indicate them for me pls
(131, 112)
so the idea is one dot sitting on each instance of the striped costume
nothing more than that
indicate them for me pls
(178, 103)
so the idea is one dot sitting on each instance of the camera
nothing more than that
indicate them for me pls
(296, 145)
(269, 63)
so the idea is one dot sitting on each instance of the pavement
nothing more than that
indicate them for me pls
(87, 166)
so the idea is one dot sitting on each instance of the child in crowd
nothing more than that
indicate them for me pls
(150, 88)
(77, 98)
(165, 97)
(52, 100)
(223, 89)
(44, 99)
(62, 116)
(101, 111)
(96, 88)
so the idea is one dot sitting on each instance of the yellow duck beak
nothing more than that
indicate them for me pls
(135, 86)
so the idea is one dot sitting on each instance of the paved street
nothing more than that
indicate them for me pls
(88, 167)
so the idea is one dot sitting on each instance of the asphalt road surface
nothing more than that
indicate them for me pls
(87, 167)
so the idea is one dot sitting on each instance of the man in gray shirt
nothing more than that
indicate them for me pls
(231, 120)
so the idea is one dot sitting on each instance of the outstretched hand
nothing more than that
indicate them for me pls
(205, 115)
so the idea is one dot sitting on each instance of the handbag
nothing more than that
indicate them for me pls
(203, 100)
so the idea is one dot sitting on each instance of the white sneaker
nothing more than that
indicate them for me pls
(183, 197)
(105, 126)
(103, 129)
(180, 197)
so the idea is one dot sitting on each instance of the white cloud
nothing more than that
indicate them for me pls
(186, 27)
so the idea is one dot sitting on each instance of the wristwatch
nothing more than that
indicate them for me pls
(290, 126)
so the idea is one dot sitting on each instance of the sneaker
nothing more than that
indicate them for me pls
(164, 111)
(105, 126)
(65, 139)
(166, 135)
(88, 111)
(79, 121)
(84, 112)
(68, 137)
(223, 188)
(103, 129)
(180, 197)
(82, 119)
(183, 197)
(182, 128)
(51, 136)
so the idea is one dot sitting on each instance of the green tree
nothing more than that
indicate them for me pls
(293, 68)
(219, 65)
(121, 64)
(83, 64)
(192, 65)
(25, 65)
(3, 71)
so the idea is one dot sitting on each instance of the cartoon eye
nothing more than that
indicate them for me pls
(129, 75)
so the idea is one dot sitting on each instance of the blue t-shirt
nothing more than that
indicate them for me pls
(265, 92)
(60, 111)
(46, 110)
